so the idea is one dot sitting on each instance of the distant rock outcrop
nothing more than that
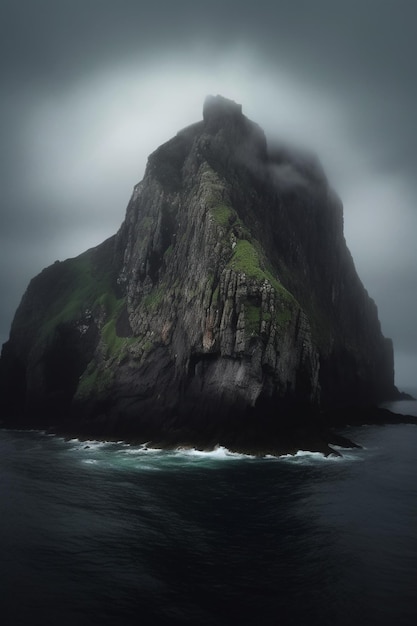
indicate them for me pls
(227, 298)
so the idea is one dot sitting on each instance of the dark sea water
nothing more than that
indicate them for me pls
(107, 533)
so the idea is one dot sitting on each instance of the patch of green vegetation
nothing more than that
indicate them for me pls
(75, 286)
(267, 316)
(88, 383)
(153, 299)
(226, 216)
(110, 303)
(147, 346)
(215, 296)
(284, 315)
(94, 381)
(147, 223)
(252, 318)
(168, 253)
(248, 258)
(222, 214)
(113, 342)
(245, 260)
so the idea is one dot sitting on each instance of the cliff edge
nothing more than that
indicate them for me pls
(227, 298)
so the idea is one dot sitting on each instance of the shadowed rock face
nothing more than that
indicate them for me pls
(228, 294)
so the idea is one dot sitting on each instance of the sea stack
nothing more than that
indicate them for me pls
(228, 299)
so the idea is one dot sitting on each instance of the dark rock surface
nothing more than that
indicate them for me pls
(227, 305)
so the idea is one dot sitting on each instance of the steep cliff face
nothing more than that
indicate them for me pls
(228, 293)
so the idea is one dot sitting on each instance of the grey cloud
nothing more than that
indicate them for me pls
(286, 176)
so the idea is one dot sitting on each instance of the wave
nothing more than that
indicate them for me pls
(143, 448)
(306, 456)
(134, 455)
(217, 453)
(143, 458)
(122, 455)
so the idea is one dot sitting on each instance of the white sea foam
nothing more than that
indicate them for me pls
(304, 454)
(308, 457)
(90, 446)
(142, 449)
(150, 468)
(218, 453)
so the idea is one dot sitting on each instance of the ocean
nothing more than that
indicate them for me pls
(111, 533)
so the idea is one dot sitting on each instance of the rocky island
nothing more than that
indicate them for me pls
(227, 308)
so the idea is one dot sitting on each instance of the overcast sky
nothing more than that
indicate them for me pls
(90, 87)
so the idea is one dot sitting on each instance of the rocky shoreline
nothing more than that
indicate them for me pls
(318, 435)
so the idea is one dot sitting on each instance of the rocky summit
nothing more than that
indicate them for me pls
(226, 306)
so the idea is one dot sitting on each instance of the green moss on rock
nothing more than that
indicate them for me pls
(153, 299)
(252, 318)
(223, 214)
(284, 314)
(94, 381)
(245, 260)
